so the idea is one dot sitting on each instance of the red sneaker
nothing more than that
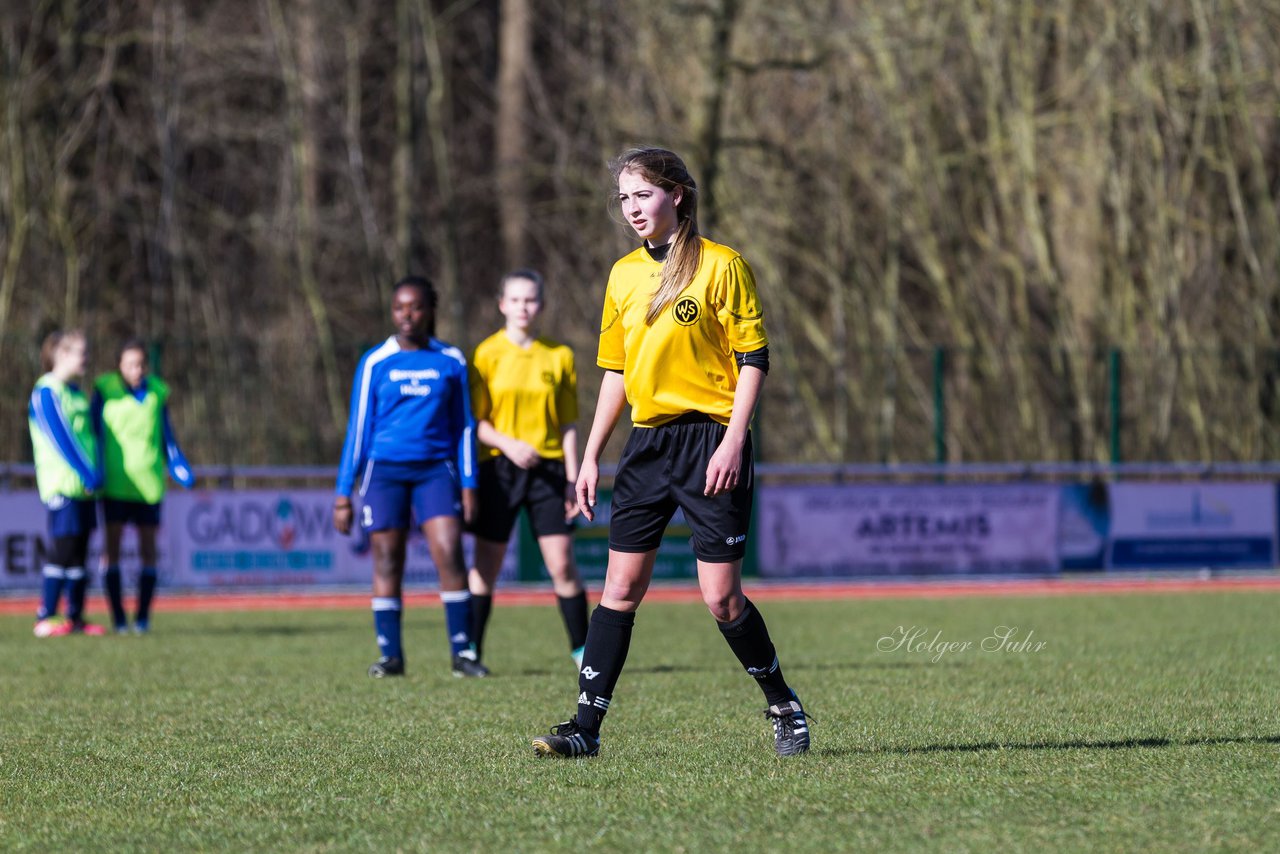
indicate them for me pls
(88, 629)
(52, 627)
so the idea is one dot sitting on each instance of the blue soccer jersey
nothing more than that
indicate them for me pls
(409, 406)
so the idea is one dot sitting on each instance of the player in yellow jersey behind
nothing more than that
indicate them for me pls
(682, 340)
(524, 393)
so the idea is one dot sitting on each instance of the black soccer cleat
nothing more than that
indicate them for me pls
(386, 667)
(464, 666)
(568, 740)
(790, 728)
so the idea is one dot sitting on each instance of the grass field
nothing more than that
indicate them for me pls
(1145, 722)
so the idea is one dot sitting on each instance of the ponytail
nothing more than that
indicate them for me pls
(678, 270)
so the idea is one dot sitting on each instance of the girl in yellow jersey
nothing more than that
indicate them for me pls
(682, 341)
(524, 393)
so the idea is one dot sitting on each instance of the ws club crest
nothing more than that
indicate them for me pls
(686, 311)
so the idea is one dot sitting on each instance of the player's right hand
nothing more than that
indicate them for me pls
(342, 516)
(522, 454)
(588, 476)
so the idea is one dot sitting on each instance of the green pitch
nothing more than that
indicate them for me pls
(1139, 722)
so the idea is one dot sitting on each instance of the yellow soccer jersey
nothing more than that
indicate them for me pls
(530, 394)
(684, 361)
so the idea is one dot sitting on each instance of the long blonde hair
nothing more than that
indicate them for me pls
(665, 169)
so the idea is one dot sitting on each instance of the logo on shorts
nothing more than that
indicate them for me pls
(733, 541)
(686, 311)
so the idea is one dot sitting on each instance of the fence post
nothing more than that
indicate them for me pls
(1114, 368)
(939, 405)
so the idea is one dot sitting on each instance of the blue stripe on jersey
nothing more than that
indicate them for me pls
(48, 414)
(355, 451)
(179, 468)
(466, 422)
(409, 406)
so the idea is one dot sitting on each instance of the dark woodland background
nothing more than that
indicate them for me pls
(1039, 195)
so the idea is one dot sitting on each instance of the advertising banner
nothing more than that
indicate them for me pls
(24, 527)
(24, 531)
(227, 539)
(256, 538)
(1192, 525)
(273, 538)
(815, 531)
(281, 538)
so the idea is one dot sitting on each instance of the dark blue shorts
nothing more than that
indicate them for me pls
(69, 517)
(130, 512)
(391, 492)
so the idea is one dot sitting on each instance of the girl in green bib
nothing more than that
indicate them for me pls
(137, 445)
(67, 475)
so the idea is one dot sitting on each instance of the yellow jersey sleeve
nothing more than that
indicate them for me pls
(738, 307)
(612, 355)
(567, 390)
(481, 403)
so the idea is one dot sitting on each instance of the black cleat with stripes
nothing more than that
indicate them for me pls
(790, 728)
(568, 740)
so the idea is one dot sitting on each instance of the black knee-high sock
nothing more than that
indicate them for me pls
(608, 640)
(481, 606)
(573, 609)
(114, 588)
(748, 637)
(77, 578)
(77, 586)
(146, 592)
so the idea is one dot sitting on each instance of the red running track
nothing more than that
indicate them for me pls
(277, 601)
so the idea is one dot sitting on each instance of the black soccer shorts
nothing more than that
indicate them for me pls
(503, 488)
(665, 468)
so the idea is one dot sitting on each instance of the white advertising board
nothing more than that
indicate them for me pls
(815, 531)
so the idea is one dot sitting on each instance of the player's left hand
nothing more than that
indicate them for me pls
(468, 505)
(725, 466)
(570, 500)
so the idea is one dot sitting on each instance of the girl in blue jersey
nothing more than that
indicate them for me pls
(411, 443)
(137, 444)
(67, 476)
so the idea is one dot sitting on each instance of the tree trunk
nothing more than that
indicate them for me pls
(302, 85)
(511, 132)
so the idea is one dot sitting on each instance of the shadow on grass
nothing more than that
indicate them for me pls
(1075, 744)
(657, 668)
(689, 668)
